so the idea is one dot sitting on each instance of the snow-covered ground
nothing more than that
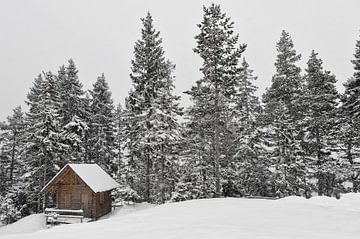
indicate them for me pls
(27, 224)
(292, 217)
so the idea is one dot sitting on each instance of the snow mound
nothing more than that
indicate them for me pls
(349, 201)
(27, 224)
(293, 217)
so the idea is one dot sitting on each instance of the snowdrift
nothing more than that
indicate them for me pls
(27, 224)
(292, 217)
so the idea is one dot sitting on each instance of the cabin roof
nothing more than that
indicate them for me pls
(92, 175)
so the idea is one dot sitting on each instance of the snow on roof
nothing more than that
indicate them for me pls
(92, 175)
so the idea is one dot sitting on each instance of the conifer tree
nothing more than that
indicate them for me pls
(350, 117)
(282, 117)
(13, 144)
(119, 143)
(86, 142)
(4, 161)
(70, 93)
(217, 45)
(44, 151)
(249, 166)
(320, 101)
(72, 111)
(101, 122)
(152, 112)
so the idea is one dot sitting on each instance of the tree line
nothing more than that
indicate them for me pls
(301, 138)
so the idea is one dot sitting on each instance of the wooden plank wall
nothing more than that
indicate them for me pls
(73, 193)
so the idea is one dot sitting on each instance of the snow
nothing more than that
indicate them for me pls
(94, 177)
(27, 224)
(292, 217)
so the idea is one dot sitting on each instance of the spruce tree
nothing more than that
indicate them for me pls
(72, 111)
(282, 117)
(249, 164)
(12, 145)
(320, 101)
(101, 123)
(217, 45)
(350, 117)
(44, 151)
(152, 112)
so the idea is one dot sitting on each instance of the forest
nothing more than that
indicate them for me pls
(300, 138)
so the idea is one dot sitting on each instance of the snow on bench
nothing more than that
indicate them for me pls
(53, 214)
(77, 211)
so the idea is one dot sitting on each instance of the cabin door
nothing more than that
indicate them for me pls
(86, 203)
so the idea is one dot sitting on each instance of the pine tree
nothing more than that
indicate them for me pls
(102, 128)
(152, 112)
(320, 101)
(70, 93)
(86, 142)
(13, 144)
(350, 117)
(119, 144)
(72, 111)
(3, 173)
(217, 45)
(282, 117)
(249, 166)
(44, 151)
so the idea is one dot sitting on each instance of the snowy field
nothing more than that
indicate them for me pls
(292, 217)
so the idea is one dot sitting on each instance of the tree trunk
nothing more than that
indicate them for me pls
(162, 181)
(44, 183)
(147, 183)
(217, 144)
(348, 150)
(12, 160)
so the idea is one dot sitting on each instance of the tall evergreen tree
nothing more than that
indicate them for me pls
(72, 111)
(70, 93)
(152, 117)
(119, 142)
(320, 101)
(13, 144)
(44, 151)
(249, 164)
(282, 117)
(217, 45)
(350, 116)
(101, 122)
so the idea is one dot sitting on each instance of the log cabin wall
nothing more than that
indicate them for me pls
(73, 193)
(102, 203)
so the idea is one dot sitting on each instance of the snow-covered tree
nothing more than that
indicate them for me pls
(119, 144)
(70, 93)
(72, 111)
(350, 117)
(12, 145)
(152, 118)
(8, 213)
(247, 172)
(209, 116)
(320, 106)
(45, 150)
(282, 115)
(101, 125)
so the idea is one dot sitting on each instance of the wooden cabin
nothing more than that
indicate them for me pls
(82, 186)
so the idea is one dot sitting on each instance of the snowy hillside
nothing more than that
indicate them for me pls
(291, 217)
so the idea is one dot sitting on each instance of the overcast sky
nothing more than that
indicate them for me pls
(39, 35)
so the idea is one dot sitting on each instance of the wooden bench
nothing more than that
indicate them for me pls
(118, 204)
(52, 214)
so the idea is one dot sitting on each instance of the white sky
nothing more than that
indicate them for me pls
(38, 35)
